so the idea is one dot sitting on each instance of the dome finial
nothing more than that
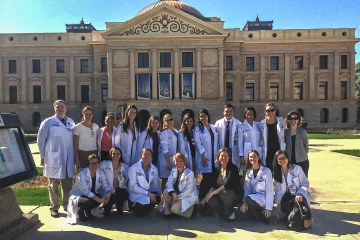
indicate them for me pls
(257, 17)
(82, 20)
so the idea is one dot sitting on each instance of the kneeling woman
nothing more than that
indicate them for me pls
(227, 193)
(258, 189)
(144, 184)
(290, 183)
(181, 193)
(116, 172)
(84, 195)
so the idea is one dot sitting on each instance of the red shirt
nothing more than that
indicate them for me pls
(106, 140)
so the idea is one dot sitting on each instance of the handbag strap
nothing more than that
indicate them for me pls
(300, 209)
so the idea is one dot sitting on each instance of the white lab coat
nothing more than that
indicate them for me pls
(187, 188)
(296, 178)
(145, 141)
(203, 144)
(123, 178)
(125, 142)
(249, 139)
(184, 147)
(260, 189)
(100, 135)
(280, 133)
(168, 144)
(55, 142)
(233, 143)
(139, 187)
(83, 185)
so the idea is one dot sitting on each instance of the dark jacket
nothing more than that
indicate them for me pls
(232, 181)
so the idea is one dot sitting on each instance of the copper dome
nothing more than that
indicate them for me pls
(176, 4)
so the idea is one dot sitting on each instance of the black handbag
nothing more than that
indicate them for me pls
(300, 217)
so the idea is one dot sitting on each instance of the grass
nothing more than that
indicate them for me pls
(31, 137)
(353, 152)
(332, 136)
(40, 171)
(33, 196)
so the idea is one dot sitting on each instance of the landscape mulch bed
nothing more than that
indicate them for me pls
(38, 182)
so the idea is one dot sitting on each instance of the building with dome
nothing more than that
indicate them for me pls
(170, 57)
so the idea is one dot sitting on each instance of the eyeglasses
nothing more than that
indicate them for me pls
(270, 110)
(170, 119)
(293, 118)
(282, 159)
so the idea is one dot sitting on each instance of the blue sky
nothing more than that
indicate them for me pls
(27, 16)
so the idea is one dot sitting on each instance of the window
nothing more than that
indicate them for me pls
(274, 96)
(229, 91)
(36, 94)
(143, 60)
(323, 64)
(104, 92)
(84, 65)
(274, 63)
(229, 63)
(85, 94)
(165, 59)
(299, 62)
(323, 91)
(61, 92)
(324, 115)
(12, 66)
(36, 65)
(344, 115)
(343, 61)
(60, 65)
(250, 92)
(36, 119)
(187, 59)
(298, 90)
(103, 64)
(13, 94)
(343, 90)
(250, 63)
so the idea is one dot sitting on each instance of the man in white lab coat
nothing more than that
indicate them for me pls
(227, 128)
(55, 142)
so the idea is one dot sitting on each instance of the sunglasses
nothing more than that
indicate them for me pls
(270, 110)
(170, 119)
(293, 118)
(282, 159)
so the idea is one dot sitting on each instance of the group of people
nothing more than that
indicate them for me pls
(220, 166)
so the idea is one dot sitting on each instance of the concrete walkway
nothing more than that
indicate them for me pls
(335, 184)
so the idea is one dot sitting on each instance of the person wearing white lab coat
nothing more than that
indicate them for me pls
(187, 142)
(249, 136)
(290, 183)
(106, 137)
(84, 196)
(207, 145)
(150, 138)
(272, 130)
(227, 128)
(116, 172)
(144, 184)
(258, 189)
(168, 148)
(181, 193)
(127, 135)
(55, 142)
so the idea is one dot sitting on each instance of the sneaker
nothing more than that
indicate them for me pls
(54, 213)
(232, 217)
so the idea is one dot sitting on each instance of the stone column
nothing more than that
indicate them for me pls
(176, 72)
(287, 90)
(221, 73)
(72, 79)
(311, 81)
(132, 74)
(336, 79)
(110, 73)
(262, 77)
(154, 73)
(1, 82)
(352, 92)
(24, 88)
(198, 73)
(47, 81)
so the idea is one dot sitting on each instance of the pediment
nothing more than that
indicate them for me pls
(162, 21)
(273, 76)
(60, 79)
(250, 77)
(299, 76)
(84, 79)
(36, 80)
(344, 76)
(103, 79)
(230, 76)
(12, 79)
(322, 76)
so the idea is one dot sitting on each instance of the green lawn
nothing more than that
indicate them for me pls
(31, 137)
(353, 152)
(33, 196)
(332, 136)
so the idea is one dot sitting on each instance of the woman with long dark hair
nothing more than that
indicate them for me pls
(187, 142)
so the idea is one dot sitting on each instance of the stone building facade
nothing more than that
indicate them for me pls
(170, 57)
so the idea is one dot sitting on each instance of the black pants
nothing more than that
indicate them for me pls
(143, 210)
(254, 209)
(285, 207)
(224, 202)
(105, 155)
(120, 196)
(305, 166)
(86, 204)
(205, 185)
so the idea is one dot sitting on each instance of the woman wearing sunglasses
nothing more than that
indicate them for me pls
(297, 143)
(272, 129)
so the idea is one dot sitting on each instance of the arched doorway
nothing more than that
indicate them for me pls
(324, 115)
(144, 117)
